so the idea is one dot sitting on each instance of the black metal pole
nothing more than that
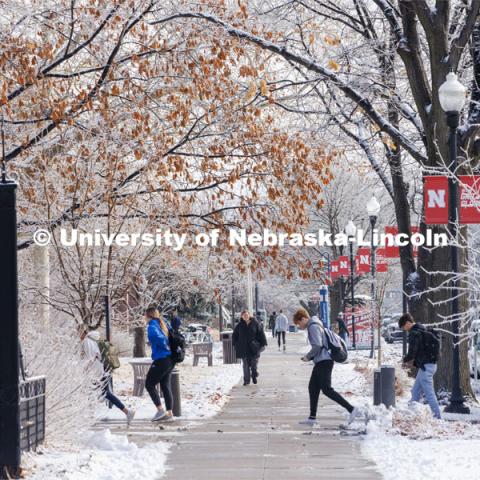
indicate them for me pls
(405, 310)
(457, 400)
(256, 301)
(354, 341)
(9, 351)
(373, 289)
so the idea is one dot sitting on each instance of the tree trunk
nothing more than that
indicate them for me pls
(139, 349)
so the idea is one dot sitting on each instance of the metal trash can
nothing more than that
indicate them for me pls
(387, 379)
(229, 355)
(32, 412)
(384, 386)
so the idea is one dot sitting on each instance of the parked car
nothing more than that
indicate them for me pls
(393, 333)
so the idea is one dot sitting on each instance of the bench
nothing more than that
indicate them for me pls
(202, 350)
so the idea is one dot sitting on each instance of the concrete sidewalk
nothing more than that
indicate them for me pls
(257, 436)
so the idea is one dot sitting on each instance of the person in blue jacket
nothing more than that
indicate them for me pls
(158, 332)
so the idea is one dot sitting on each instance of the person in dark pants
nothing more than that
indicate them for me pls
(103, 378)
(424, 359)
(249, 341)
(281, 328)
(161, 370)
(321, 378)
(175, 321)
(342, 328)
(271, 323)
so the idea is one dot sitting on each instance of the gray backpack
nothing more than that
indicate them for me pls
(336, 346)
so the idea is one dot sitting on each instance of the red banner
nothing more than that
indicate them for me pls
(344, 265)
(381, 261)
(334, 266)
(469, 199)
(364, 259)
(435, 198)
(391, 251)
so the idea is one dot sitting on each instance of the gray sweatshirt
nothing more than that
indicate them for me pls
(318, 341)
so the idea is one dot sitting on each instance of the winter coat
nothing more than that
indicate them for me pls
(271, 321)
(158, 340)
(318, 341)
(342, 327)
(416, 349)
(281, 323)
(249, 339)
(93, 354)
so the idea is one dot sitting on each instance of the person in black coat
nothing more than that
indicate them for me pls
(249, 340)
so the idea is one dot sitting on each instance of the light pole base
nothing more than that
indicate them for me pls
(457, 407)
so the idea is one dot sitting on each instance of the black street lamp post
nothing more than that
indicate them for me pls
(9, 345)
(373, 209)
(452, 99)
(350, 230)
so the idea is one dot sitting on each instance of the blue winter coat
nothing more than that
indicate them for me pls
(158, 340)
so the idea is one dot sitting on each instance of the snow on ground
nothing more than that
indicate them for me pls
(99, 456)
(102, 455)
(204, 389)
(407, 442)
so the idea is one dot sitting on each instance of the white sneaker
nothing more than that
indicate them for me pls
(159, 415)
(309, 421)
(356, 412)
(130, 415)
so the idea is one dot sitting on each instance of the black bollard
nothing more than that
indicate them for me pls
(377, 387)
(177, 399)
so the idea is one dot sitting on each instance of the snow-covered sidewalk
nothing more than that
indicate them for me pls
(106, 451)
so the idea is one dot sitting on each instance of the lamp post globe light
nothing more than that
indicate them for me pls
(351, 230)
(452, 98)
(373, 209)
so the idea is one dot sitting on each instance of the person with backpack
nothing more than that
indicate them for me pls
(342, 328)
(175, 321)
(423, 350)
(102, 367)
(249, 341)
(160, 372)
(324, 346)
(281, 328)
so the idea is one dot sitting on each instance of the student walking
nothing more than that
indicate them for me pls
(423, 347)
(103, 377)
(321, 378)
(342, 328)
(271, 323)
(281, 327)
(161, 370)
(249, 341)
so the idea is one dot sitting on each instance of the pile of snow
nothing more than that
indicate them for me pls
(101, 456)
(407, 442)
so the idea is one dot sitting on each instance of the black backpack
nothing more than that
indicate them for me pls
(431, 344)
(177, 346)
